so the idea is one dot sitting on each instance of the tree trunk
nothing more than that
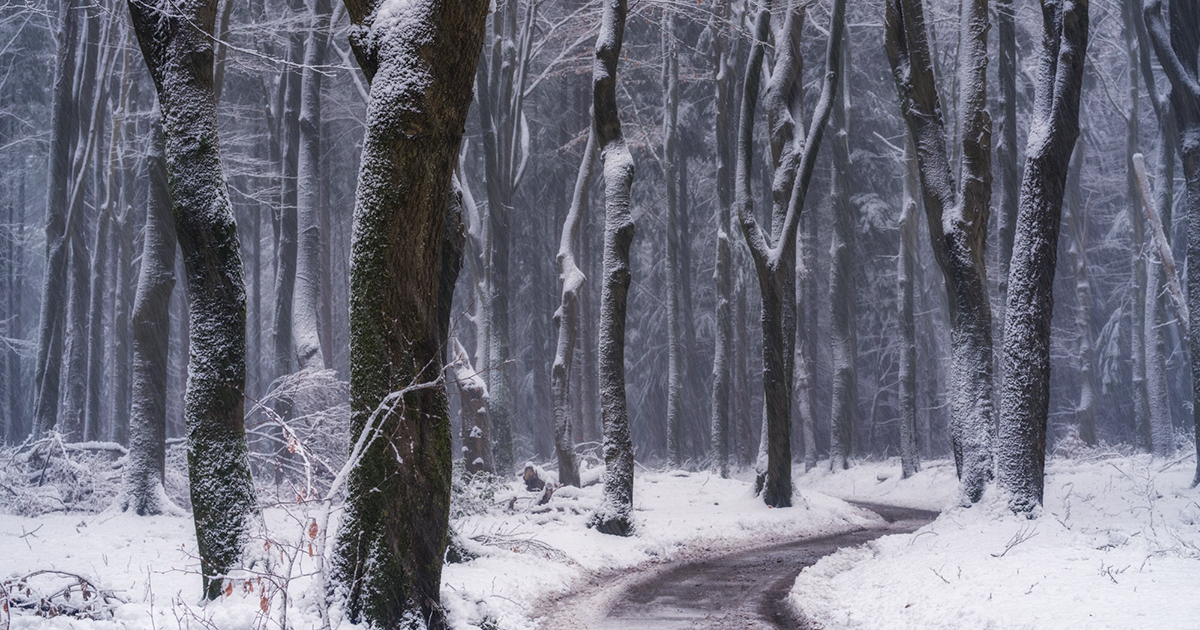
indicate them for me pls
(144, 493)
(1177, 49)
(1008, 170)
(309, 350)
(842, 338)
(572, 280)
(476, 430)
(910, 460)
(615, 515)
(1021, 451)
(957, 215)
(1085, 410)
(774, 251)
(388, 559)
(670, 78)
(722, 274)
(54, 284)
(176, 44)
(95, 361)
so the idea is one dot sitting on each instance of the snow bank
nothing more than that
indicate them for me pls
(526, 553)
(1117, 545)
(934, 487)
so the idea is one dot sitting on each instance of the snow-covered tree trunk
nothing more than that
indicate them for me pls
(1177, 48)
(1008, 169)
(572, 280)
(843, 341)
(670, 76)
(773, 250)
(615, 515)
(910, 461)
(1025, 401)
(957, 214)
(176, 42)
(722, 273)
(54, 280)
(476, 430)
(123, 288)
(306, 310)
(143, 483)
(500, 85)
(1085, 409)
(420, 59)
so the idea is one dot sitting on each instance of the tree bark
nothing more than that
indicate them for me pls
(144, 493)
(1021, 451)
(615, 515)
(420, 64)
(176, 43)
(957, 215)
(310, 352)
(572, 279)
(1008, 170)
(722, 273)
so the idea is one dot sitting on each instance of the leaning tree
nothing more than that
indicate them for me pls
(176, 38)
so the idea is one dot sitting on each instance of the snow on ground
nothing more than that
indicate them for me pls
(933, 488)
(527, 554)
(1116, 546)
(675, 514)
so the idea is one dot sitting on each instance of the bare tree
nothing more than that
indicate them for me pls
(1177, 47)
(675, 369)
(774, 250)
(54, 283)
(1021, 451)
(615, 515)
(957, 214)
(420, 65)
(176, 42)
(567, 316)
(722, 274)
(311, 346)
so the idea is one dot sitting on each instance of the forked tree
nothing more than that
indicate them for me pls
(957, 213)
(1025, 400)
(773, 250)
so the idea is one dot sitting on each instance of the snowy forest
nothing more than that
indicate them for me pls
(515, 314)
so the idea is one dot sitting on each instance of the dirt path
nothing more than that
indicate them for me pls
(736, 591)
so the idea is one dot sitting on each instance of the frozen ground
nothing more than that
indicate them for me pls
(1117, 546)
(527, 554)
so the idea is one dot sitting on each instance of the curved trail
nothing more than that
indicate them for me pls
(740, 590)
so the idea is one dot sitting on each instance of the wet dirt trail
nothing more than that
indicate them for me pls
(742, 590)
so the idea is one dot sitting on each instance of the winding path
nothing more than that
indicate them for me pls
(737, 591)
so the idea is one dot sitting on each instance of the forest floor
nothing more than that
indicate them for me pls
(1116, 545)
